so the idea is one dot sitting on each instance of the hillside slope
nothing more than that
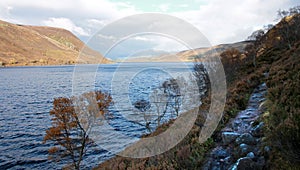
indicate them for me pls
(280, 52)
(35, 45)
(274, 60)
(191, 55)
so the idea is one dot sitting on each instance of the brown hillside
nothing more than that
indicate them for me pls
(277, 63)
(191, 55)
(34, 45)
(279, 52)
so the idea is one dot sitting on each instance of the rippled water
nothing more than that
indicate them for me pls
(27, 94)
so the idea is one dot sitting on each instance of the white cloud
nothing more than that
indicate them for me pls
(5, 13)
(183, 5)
(164, 7)
(160, 42)
(66, 24)
(82, 17)
(220, 21)
(230, 21)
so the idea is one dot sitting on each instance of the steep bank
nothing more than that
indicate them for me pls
(276, 53)
(282, 118)
(35, 45)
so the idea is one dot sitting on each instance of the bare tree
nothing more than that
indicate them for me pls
(166, 99)
(252, 49)
(159, 100)
(289, 30)
(291, 11)
(202, 78)
(174, 97)
(256, 35)
(143, 107)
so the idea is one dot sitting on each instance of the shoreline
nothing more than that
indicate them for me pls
(116, 62)
(50, 65)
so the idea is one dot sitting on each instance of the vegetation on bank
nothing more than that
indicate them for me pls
(273, 57)
(283, 116)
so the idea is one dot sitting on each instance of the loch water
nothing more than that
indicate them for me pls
(27, 94)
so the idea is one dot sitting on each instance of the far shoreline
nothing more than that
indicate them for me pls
(114, 62)
(51, 65)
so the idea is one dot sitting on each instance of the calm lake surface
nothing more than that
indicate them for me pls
(27, 94)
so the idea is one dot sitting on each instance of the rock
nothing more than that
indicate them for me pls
(220, 153)
(236, 124)
(212, 165)
(247, 163)
(227, 159)
(247, 116)
(250, 155)
(243, 149)
(246, 138)
(216, 166)
(267, 149)
(257, 131)
(228, 137)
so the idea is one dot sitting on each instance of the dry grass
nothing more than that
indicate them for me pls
(31, 45)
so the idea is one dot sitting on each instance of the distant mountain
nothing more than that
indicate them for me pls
(37, 45)
(190, 55)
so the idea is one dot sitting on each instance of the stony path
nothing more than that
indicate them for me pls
(241, 139)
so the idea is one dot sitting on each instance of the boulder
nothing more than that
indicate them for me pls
(246, 138)
(250, 155)
(247, 163)
(229, 137)
(243, 149)
(220, 153)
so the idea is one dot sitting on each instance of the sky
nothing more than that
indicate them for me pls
(220, 21)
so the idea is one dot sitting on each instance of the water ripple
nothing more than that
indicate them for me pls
(26, 98)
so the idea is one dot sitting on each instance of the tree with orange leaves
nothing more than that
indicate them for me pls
(73, 119)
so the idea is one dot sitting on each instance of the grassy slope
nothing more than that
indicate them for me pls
(282, 120)
(32, 45)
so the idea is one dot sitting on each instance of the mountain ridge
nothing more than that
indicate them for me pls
(191, 55)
